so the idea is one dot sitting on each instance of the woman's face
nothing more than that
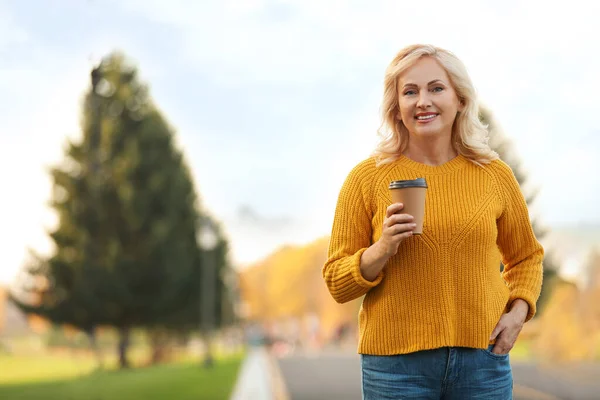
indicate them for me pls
(428, 102)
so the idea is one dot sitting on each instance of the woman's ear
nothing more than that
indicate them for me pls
(461, 105)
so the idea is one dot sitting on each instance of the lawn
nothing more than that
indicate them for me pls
(50, 366)
(62, 379)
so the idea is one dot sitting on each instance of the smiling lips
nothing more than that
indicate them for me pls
(425, 117)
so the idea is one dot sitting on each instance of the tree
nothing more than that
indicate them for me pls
(287, 284)
(500, 143)
(77, 306)
(569, 330)
(126, 253)
(217, 298)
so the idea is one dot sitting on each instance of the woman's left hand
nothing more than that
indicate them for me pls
(508, 328)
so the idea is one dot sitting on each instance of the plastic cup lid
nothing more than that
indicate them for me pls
(419, 182)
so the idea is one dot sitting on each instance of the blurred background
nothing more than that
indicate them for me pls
(170, 171)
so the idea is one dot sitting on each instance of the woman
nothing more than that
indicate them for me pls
(438, 318)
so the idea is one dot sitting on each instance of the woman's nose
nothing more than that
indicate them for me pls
(424, 100)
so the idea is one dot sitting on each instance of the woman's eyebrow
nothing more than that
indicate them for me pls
(430, 83)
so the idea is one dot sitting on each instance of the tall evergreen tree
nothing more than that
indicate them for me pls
(502, 145)
(126, 251)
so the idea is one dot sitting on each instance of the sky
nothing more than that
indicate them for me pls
(274, 101)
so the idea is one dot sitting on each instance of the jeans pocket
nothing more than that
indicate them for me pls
(488, 352)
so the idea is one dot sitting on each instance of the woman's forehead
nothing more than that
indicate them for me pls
(423, 72)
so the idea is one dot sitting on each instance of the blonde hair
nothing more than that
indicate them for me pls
(469, 134)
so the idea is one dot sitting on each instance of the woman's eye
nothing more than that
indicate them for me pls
(409, 92)
(438, 89)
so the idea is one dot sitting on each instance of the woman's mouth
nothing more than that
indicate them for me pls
(423, 119)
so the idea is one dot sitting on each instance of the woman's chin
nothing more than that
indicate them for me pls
(428, 132)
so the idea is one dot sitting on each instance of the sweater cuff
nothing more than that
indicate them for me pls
(357, 275)
(528, 297)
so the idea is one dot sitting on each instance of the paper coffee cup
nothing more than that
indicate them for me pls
(411, 193)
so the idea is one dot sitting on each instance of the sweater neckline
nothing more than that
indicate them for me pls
(449, 166)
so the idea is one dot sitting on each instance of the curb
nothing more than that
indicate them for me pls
(260, 378)
(278, 386)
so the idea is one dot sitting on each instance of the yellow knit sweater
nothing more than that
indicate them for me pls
(442, 288)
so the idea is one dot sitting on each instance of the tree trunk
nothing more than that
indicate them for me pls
(160, 346)
(123, 346)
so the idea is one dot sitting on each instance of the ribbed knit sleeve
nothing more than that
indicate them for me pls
(522, 254)
(351, 236)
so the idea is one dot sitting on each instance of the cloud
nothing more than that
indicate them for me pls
(306, 41)
(10, 32)
(254, 235)
(34, 142)
(531, 61)
(308, 74)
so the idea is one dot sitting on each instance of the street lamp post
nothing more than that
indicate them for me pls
(208, 241)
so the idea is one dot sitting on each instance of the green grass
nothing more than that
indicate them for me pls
(48, 366)
(45, 378)
(22, 369)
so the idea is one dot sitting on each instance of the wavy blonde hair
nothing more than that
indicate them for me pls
(469, 134)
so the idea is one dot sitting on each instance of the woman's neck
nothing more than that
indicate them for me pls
(430, 152)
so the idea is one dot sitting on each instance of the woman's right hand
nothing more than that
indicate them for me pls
(396, 228)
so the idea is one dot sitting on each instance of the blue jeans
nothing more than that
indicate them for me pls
(449, 373)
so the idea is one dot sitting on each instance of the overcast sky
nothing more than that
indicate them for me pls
(275, 101)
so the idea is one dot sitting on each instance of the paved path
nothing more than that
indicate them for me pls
(568, 382)
(336, 376)
(259, 378)
(253, 382)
